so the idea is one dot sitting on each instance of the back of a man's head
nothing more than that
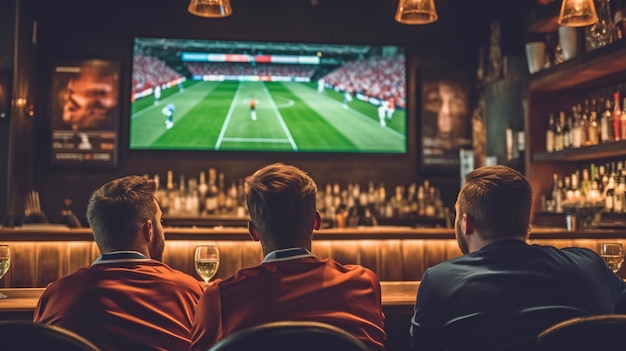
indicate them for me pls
(117, 209)
(281, 203)
(499, 200)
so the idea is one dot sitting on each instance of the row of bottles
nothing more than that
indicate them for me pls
(208, 195)
(602, 185)
(353, 206)
(200, 196)
(597, 122)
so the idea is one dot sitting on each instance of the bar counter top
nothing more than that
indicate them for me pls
(59, 233)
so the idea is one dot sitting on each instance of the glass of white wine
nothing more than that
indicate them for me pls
(613, 255)
(5, 262)
(207, 261)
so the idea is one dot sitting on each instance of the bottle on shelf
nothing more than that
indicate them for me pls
(567, 132)
(618, 202)
(221, 194)
(622, 121)
(210, 203)
(576, 131)
(559, 133)
(605, 122)
(557, 193)
(584, 124)
(203, 188)
(550, 134)
(609, 195)
(616, 118)
(593, 130)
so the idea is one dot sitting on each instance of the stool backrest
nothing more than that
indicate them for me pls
(290, 335)
(30, 336)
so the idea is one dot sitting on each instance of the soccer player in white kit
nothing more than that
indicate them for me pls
(320, 85)
(169, 112)
(157, 94)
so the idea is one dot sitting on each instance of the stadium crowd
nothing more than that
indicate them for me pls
(382, 78)
(246, 69)
(149, 72)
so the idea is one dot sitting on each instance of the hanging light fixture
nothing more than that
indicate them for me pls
(416, 12)
(578, 13)
(210, 8)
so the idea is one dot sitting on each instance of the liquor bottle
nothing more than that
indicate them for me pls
(160, 194)
(568, 125)
(605, 122)
(221, 194)
(609, 196)
(585, 184)
(557, 194)
(231, 199)
(180, 198)
(559, 133)
(550, 134)
(242, 207)
(193, 200)
(574, 192)
(166, 201)
(594, 137)
(616, 119)
(576, 132)
(620, 196)
(584, 124)
(210, 203)
(202, 190)
(622, 121)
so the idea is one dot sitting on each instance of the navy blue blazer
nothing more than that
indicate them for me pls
(508, 276)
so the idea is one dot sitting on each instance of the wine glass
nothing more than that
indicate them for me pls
(5, 262)
(207, 261)
(613, 255)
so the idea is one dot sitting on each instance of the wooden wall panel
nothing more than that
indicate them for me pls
(35, 264)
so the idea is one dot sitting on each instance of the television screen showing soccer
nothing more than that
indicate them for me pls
(190, 94)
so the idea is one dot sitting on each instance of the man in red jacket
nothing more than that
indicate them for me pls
(291, 283)
(127, 299)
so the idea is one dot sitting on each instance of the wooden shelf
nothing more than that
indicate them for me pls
(582, 69)
(587, 153)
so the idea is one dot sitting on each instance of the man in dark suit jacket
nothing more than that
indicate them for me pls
(500, 275)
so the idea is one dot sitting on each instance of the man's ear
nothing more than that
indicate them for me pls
(317, 222)
(147, 231)
(254, 233)
(468, 225)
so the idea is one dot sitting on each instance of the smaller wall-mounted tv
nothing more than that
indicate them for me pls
(190, 94)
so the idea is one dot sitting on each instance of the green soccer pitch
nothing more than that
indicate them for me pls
(289, 117)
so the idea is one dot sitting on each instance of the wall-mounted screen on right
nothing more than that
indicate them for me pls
(190, 94)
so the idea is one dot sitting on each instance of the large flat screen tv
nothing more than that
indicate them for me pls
(190, 94)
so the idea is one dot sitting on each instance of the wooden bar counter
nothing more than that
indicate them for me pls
(42, 254)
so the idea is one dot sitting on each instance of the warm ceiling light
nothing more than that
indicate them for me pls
(578, 13)
(210, 8)
(416, 12)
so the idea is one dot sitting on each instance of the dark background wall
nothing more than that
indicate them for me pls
(78, 29)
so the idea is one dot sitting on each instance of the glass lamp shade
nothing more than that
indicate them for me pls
(210, 8)
(578, 13)
(416, 12)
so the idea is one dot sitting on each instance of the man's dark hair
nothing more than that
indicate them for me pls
(499, 200)
(281, 203)
(118, 208)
